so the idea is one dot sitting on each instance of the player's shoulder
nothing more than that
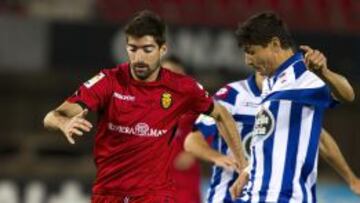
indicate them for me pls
(118, 73)
(184, 83)
(308, 79)
(231, 90)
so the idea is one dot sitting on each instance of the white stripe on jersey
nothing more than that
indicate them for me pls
(305, 132)
(279, 151)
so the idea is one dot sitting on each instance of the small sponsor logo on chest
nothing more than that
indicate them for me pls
(249, 104)
(124, 97)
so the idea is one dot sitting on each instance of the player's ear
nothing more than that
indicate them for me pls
(275, 44)
(163, 50)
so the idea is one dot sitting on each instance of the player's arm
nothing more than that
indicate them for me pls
(69, 119)
(196, 144)
(331, 153)
(339, 85)
(227, 129)
(184, 160)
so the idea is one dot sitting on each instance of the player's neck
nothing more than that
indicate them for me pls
(258, 80)
(280, 58)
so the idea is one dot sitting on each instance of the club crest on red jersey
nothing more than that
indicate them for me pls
(166, 100)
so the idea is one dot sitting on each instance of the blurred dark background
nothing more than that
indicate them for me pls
(49, 47)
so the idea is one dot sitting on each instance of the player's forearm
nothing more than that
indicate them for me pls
(339, 85)
(54, 120)
(227, 128)
(197, 145)
(330, 152)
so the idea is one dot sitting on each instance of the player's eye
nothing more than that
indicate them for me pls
(131, 49)
(148, 49)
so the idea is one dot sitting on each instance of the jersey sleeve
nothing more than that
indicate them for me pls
(94, 93)
(201, 101)
(226, 96)
(309, 90)
(206, 125)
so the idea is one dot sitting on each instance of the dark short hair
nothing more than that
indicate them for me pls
(147, 23)
(260, 30)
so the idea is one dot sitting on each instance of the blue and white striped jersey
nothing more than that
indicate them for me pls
(241, 99)
(286, 134)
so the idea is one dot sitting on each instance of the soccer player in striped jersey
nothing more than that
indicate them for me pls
(242, 98)
(296, 92)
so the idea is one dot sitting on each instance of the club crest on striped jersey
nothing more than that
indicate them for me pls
(247, 143)
(94, 80)
(166, 100)
(264, 123)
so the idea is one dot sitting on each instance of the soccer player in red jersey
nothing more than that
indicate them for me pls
(185, 169)
(139, 105)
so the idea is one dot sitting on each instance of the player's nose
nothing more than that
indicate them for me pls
(139, 56)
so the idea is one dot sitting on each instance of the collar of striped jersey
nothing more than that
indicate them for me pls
(253, 86)
(298, 56)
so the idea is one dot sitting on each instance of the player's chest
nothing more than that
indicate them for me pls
(144, 103)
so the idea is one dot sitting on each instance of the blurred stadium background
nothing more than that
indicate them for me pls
(49, 47)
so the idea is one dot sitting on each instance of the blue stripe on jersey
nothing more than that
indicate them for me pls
(299, 69)
(313, 193)
(228, 195)
(296, 57)
(246, 119)
(311, 151)
(253, 87)
(291, 151)
(223, 150)
(216, 178)
(319, 97)
(268, 148)
(206, 130)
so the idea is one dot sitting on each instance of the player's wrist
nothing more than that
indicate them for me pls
(324, 73)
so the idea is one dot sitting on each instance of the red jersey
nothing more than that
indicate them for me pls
(137, 121)
(187, 181)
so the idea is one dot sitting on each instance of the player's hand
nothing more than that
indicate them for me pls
(355, 186)
(239, 184)
(314, 59)
(226, 162)
(75, 126)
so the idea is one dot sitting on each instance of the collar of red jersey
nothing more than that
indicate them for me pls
(159, 81)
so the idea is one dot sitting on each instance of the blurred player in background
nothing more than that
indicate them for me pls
(242, 98)
(185, 169)
(297, 90)
(139, 105)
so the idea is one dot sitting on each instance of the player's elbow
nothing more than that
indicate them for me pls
(188, 143)
(348, 95)
(351, 96)
(47, 120)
